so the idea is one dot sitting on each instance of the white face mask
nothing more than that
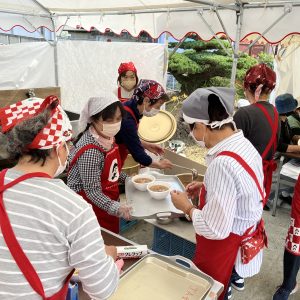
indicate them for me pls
(153, 112)
(111, 130)
(61, 166)
(128, 84)
(201, 144)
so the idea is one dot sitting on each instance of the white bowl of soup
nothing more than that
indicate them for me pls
(159, 189)
(141, 181)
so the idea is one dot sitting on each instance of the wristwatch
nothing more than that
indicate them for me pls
(188, 211)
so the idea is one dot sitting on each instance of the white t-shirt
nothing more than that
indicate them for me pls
(124, 94)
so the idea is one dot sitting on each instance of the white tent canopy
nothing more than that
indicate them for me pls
(287, 68)
(178, 17)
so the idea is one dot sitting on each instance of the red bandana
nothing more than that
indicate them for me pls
(154, 92)
(260, 75)
(124, 67)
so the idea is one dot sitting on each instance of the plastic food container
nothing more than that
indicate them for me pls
(141, 181)
(165, 278)
(159, 189)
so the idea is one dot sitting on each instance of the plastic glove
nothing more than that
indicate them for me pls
(124, 211)
(180, 201)
(193, 189)
(120, 264)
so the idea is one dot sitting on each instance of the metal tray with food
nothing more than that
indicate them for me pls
(164, 278)
(146, 207)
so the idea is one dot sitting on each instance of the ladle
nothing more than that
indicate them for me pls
(194, 171)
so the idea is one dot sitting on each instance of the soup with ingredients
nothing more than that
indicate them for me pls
(142, 180)
(158, 188)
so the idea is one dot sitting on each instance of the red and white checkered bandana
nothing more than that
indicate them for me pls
(57, 130)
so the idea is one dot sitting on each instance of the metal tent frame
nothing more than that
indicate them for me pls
(238, 7)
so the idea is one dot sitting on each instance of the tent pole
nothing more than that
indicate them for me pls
(42, 36)
(210, 3)
(178, 46)
(63, 27)
(24, 14)
(224, 28)
(55, 51)
(286, 11)
(213, 33)
(239, 21)
(52, 16)
(41, 6)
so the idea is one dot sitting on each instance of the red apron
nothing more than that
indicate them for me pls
(15, 248)
(109, 183)
(120, 96)
(122, 147)
(217, 257)
(292, 242)
(269, 166)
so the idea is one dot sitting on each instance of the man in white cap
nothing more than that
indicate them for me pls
(230, 200)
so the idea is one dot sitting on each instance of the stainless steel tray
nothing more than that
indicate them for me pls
(164, 278)
(145, 207)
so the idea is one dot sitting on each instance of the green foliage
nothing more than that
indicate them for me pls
(201, 45)
(204, 64)
(183, 64)
(266, 58)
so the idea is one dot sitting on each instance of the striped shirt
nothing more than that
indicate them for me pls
(233, 202)
(58, 231)
(86, 173)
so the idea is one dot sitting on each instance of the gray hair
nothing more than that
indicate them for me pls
(14, 143)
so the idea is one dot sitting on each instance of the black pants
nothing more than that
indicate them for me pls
(291, 264)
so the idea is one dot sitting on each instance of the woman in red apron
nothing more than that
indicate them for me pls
(147, 100)
(261, 126)
(35, 132)
(230, 202)
(259, 121)
(95, 165)
(127, 81)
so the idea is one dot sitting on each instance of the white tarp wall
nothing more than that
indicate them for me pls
(84, 67)
(288, 71)
(87, 67)
(26, 65)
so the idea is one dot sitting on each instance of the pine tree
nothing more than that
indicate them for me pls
(203, 64)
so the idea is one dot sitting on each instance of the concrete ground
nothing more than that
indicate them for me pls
(261, 286)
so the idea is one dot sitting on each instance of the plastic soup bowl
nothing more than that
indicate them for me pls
(159, 190)
(141, 181)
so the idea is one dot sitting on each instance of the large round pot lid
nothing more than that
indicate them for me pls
(157, 129)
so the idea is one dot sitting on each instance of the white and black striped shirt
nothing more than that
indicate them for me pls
(58, 231)
(233, 202)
